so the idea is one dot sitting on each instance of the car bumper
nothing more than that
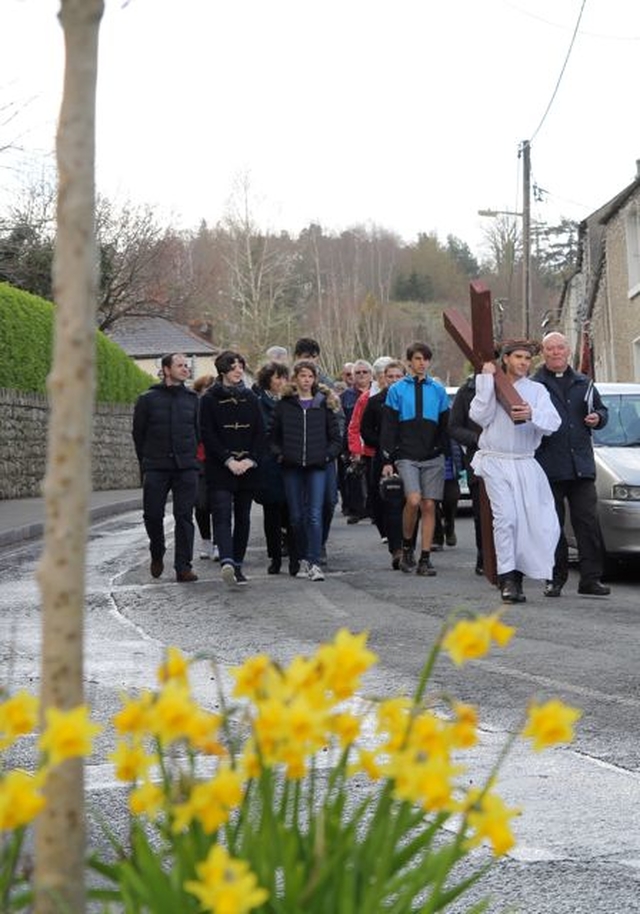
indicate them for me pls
(620, 526)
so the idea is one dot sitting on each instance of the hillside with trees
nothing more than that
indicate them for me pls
(361, 292)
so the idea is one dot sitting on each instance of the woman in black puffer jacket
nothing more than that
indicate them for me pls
(305, 436)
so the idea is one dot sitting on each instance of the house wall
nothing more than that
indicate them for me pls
(23, 446)
(620, 314)
(201, 364)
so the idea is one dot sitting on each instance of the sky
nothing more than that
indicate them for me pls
(405, 115)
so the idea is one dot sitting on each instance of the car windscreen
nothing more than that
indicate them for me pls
(623, 427)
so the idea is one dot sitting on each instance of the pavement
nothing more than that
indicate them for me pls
(23, 518)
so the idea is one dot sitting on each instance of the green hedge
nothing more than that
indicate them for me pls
(26, 346)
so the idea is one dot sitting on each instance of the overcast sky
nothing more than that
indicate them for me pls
(405, 114)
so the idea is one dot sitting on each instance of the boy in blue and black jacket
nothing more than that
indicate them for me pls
(413, 437)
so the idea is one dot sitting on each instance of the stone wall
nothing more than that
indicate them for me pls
(23, 442)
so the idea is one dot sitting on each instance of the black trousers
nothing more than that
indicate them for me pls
(580, 495)
(183, 484)
(446, 511)
(231, 513)
(275, 519)
(203, 510)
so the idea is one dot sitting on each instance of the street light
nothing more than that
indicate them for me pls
(526, 259)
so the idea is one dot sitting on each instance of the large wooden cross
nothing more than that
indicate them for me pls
(477, 343)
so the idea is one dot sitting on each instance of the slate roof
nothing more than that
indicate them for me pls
(152, 337)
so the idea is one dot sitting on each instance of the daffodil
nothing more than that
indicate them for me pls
(468, 640)
(344, 661)
(20, 799)
(550, 723)
(146, 799)
(133, 718)
(68, 734)
(131, 761)
(225, 885)
(489, 817)
(172, 715)
(210, 802)
(252, 677)
(18, 716)
(175, 667)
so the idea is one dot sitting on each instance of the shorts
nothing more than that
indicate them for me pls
(423, 476)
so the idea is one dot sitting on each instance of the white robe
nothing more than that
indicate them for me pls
(525, 523)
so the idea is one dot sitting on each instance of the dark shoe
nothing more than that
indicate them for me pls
(552, 589)
(479, 569)
(240, 578)
(509, 590)
(479, 563)
(294, 567)
(156, 568)
(594, 589)
(451, 539)
(425, 568)
(186, 577)
(518, 576)
(407, 561)
(274, 568)
(396, 555)
(436, 547)
(352, 519)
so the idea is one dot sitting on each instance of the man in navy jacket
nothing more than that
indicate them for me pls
(166, 434)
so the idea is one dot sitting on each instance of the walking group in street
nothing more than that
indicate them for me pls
(383, 441)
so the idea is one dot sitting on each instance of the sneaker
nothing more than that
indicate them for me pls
(315, 573)
(206, 550)
(240, 577)
(215, 553)
(228, 573)
(303, 569)
(425, 568)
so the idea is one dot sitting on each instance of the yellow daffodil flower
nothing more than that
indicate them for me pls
(175, 667)
(18, 716)
(68, 734)
(489, 818)
(20, 799)
(550, 724)
(225, 885)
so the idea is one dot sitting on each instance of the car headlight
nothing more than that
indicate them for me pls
(626, 493)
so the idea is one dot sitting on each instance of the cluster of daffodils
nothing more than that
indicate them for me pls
(253, 807)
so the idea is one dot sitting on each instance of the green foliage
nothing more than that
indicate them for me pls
(26, 344)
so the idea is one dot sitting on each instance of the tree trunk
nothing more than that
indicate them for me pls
(60, 832)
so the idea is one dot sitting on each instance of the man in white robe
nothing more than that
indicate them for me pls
(525, 523)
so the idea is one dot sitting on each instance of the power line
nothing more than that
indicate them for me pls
(564, 66)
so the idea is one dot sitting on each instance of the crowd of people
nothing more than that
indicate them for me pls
(385, 443)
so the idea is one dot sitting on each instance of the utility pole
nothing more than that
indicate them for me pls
(526, 236)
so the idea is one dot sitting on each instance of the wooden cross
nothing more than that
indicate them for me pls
(477, 343)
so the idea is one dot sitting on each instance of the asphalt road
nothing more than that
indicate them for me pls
(578, 845)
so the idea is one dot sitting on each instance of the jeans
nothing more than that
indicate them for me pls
(183, 484)
(231, 513)
(305, 489)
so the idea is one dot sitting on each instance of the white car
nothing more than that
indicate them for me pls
(617, 454)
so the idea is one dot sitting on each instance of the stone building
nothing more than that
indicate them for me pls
(600, 305)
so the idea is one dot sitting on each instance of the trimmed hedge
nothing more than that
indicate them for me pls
(26, 347)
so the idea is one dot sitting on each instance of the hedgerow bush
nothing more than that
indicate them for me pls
(26, 347)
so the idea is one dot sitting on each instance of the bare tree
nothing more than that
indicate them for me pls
(60, 831)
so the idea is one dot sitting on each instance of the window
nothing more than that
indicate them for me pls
(633, 249)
